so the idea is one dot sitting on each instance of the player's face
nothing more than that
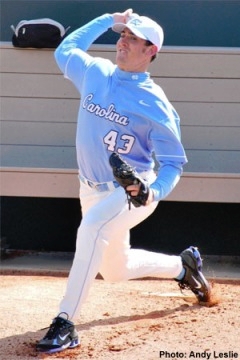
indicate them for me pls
(132, 52)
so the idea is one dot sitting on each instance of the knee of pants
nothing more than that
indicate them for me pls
(114, 270)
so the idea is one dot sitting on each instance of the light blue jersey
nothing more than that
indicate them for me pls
(120, 111)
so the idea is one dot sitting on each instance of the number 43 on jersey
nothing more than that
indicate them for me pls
(112, 138)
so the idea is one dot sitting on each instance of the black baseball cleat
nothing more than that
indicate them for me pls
(60, 336)
(194, 278)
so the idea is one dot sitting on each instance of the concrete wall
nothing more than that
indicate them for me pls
(39, 111)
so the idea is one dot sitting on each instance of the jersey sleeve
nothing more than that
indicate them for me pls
(169, 152)
(71, 55)
(168, 176)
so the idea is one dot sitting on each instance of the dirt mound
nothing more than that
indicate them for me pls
(133, 320)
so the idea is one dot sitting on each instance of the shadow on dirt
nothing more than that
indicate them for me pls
(22, 346)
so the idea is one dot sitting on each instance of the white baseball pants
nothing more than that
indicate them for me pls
(103, 245)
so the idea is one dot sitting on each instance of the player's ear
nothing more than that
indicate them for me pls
(152, 50)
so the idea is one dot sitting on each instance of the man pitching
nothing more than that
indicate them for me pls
(121, 111)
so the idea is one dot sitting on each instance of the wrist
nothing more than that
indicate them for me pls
(121, 17)
(150, 197)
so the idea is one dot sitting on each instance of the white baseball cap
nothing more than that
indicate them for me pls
(144, 28)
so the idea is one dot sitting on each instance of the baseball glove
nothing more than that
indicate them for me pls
(125, 175)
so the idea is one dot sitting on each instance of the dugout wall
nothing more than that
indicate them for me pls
(187, 22)
(33, 219)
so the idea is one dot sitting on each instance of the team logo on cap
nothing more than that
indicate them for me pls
(136, 22)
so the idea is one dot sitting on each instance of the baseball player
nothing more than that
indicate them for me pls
(122, 111)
